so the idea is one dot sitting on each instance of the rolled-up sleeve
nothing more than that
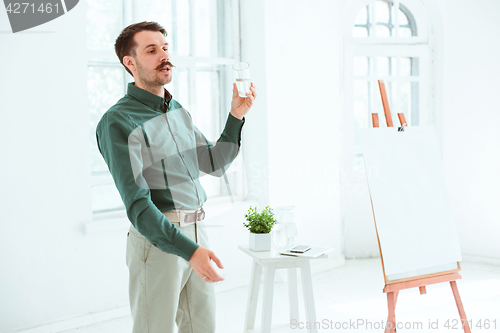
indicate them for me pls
(216, 159)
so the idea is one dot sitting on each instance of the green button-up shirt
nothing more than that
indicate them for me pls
(155, 154)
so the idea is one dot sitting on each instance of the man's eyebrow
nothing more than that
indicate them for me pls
(154, 45)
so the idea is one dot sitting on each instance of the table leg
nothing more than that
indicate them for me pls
(253, 296)
(267, 308)
(293, 296)
(305, 273)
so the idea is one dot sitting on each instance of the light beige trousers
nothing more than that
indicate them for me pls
(163, 288)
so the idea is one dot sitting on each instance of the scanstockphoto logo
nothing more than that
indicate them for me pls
(25, 15)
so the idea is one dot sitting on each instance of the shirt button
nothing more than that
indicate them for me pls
(175, 134)
(182, 155)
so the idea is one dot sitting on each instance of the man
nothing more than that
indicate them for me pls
(155, 154)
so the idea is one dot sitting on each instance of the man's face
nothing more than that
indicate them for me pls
(152, 60)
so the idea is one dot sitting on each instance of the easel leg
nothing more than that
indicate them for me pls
(391, 319)
(253, 295)
(460, 306)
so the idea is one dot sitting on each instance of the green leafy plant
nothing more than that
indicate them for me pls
(260, 223)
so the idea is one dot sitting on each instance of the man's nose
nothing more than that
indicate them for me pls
(165, 56)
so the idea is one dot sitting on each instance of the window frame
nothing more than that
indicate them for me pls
(190, 63)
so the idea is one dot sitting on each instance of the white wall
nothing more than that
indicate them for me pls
(471, 112)
(50, 269)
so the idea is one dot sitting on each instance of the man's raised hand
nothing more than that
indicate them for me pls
(241, 105)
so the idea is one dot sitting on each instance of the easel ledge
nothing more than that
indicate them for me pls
(387, 282)
(420, 282)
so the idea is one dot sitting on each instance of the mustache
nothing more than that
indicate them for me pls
(165, 63)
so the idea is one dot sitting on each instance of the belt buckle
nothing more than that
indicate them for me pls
(183, 215)
(182, 218)
(199, 215)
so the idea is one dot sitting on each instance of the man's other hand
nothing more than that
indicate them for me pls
(200, 261)
(241, 105)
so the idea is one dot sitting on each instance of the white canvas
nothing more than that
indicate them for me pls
(407, 186)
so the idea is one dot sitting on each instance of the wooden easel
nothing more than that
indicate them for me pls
(393, 287)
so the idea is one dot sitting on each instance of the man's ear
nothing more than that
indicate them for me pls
(130, 63)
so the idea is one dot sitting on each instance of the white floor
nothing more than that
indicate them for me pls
(350, 299)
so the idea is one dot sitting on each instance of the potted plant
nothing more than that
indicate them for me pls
(260, 225)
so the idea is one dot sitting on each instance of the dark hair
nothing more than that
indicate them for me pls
(125, 43)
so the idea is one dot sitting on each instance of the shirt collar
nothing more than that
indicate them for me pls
(153, 101)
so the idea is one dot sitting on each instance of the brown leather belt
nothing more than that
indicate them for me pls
(185, 217)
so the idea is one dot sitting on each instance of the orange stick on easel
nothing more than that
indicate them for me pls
(402, 119)
(375, 119)
(385, 103)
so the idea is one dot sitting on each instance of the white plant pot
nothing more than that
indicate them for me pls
(260, 242)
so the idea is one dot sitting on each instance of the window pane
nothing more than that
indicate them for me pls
(360, 32)
(159, 11)
(392, 95)
(105, 198)
(362, 17)
(225, 32)
(382, 11)
(383, 66)
(405, 100)
(104, 23)
(205, 27)
(404, 32)
(361, 66)
(403, 19)
(181, 27)
(105, 87)
(415, 117)
(212, 185)
(393, 69)
(409, 66)
(361, 103)
(179, 87)
(207, 103)
(405, 66)
(234, 177)
(382, 31)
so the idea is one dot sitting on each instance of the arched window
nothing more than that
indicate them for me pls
(386, 22)
(384, 40)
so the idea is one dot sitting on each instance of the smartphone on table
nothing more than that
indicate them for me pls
(300, 248)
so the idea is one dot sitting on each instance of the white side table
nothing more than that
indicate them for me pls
(270, 261)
